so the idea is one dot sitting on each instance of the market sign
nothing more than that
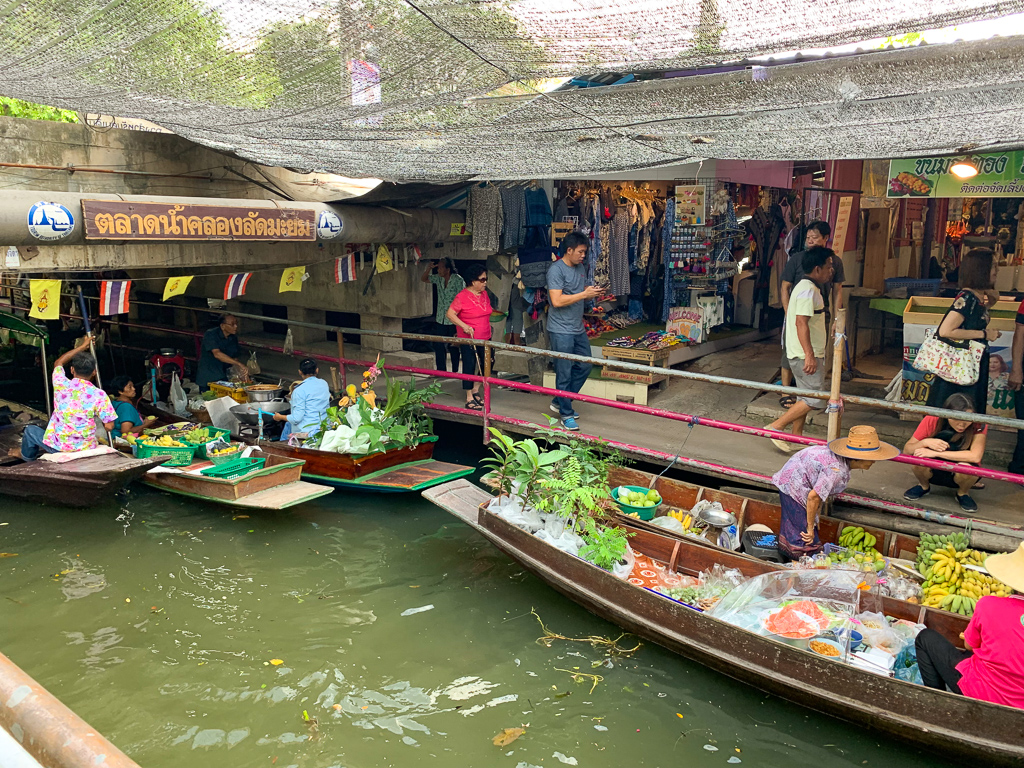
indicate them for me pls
(1000, 175)
(120, 220)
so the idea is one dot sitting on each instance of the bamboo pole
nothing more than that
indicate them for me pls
(835, 416)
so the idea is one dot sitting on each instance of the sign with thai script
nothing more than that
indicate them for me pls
(120, 220)
(999, 175)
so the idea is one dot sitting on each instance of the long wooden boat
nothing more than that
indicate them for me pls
(976, 732)
(278, 485)
(400, 470)
(81, 483)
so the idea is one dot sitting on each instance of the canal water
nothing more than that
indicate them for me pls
(358, 631)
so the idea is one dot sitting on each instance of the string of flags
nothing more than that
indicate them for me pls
(45, 294)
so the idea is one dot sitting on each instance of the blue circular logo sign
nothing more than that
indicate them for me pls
(50, 221)
(328, 225)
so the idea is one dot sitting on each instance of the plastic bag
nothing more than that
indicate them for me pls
(624, 569)
(905, 667)
(289, 343)
(877, 633)
(177, 397)
(567, 541)
(253, 365)
(512, 510)
(669, 524)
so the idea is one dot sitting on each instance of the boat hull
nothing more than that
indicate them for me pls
(81, 483)
(977, 732)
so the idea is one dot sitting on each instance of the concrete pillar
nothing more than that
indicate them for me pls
(247, 326)
(371, 344)
(305, 336)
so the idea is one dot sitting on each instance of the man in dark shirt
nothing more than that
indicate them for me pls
(1016, 381)
(220, 348)
(832, 292)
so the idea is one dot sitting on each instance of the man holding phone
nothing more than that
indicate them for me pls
(567, 291)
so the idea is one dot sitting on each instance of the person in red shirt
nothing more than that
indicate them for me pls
(1015, 381)
(991, 668)
(959, 440)
(470, 311)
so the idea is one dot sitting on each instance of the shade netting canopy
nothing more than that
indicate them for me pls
(439, 90)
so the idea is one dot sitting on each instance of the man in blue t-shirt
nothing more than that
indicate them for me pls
(567, 290)
(220, 347)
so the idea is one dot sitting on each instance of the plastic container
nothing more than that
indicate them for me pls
(645, 513)
(914, 286)
(761, 551)
(831, 642)
(233, 469)
(176, 457)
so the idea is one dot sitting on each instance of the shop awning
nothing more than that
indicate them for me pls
(13, 327)
(424, 95)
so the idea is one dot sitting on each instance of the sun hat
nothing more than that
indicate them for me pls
(1008, 568)
(863, 443)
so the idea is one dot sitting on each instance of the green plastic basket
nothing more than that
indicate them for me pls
(177, 457)
(214, 433)
(645, 513)
(225, 458)
(233, 469)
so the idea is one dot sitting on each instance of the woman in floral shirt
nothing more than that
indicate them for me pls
(77, 402)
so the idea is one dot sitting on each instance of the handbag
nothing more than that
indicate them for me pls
(957, 365)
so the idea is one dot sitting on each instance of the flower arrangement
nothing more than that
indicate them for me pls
(360, 425)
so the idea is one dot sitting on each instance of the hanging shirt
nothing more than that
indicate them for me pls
(995, 671)
(805, 301)
(76, 405)
(309, 403)
(538, 209)
(484, 218)
(445, 294)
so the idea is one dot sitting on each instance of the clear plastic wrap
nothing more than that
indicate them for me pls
(796, 604)
(705, 591)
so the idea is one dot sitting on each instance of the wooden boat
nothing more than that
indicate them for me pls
(400, 470)
(276, 486)
(977, 732)
(79, 483)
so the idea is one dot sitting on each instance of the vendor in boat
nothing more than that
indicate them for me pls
(991, 668)
(219, 353)
(959, 440)
(122, 396)
(309, 400)
(815, 475)
(77, 403)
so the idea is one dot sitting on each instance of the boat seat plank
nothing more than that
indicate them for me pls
(283, 496)
(411, 475)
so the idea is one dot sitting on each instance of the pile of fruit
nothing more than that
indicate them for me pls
(164, 441)
(948, 584)
(637, 498)
(225, 451)
(858, 540)
(862, 561)
(198, 436)
(683, 517)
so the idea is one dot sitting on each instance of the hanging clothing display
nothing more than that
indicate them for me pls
(513, 210)
(618, 258)
(484, 217)
(538, 209)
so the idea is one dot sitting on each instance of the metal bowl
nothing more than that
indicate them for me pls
(717, 518)
(263, 395)
(249, 413)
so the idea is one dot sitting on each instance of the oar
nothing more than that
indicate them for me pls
(92, 348)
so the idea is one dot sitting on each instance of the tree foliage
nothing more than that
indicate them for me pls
(30, 111)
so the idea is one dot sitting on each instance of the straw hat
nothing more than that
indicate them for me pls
(1008, 568)
(863, 444)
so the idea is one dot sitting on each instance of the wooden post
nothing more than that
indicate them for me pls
(487, 392)
(341, 360)
(834, 416)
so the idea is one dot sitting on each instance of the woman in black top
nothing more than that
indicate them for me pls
(966, 321)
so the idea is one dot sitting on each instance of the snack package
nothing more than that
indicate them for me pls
(877, 633)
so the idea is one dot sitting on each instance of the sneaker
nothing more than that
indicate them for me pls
(570, 423)
(967, 504)
(555, 409)
(916, 493)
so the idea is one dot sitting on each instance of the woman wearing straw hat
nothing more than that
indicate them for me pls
(992, 666)
(815, 475)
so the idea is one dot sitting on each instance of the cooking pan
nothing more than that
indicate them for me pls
(248, 413)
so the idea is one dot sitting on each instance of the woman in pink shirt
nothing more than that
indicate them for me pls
(992, 666)
(470, 310)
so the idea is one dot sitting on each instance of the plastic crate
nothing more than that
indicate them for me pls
(176, 457)
(233, 469)
(914, 286)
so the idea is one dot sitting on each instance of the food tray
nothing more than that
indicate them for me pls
(233, 469)
(177, 457)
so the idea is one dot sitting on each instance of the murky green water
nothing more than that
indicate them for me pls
(156, 618)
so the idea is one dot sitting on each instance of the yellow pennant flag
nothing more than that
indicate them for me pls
(45, 299)
(175, 286)
(384, 261)
(291, 279)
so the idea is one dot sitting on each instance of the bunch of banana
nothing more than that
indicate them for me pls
(164, 441)
(857, 539)
(947, 564)
(683, 517)
(931, 543)
(978, 585)
(225, 451)
(197, 436)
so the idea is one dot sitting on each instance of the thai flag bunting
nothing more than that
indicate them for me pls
(345, 269)
(235, 286)
(114, 297)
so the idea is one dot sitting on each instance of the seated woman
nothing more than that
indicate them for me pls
(309, 400)
(990, 668)
(77, 402)
(959, 440)
(122, 397)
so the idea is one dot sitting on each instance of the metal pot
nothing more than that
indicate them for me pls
(249, 413)
(263, 395)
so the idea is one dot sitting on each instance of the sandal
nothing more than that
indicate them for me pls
(978, 486)
(787, 401)
(478, 400)
(473, 405)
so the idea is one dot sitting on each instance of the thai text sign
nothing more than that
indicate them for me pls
(999, 175)
(119, 220)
